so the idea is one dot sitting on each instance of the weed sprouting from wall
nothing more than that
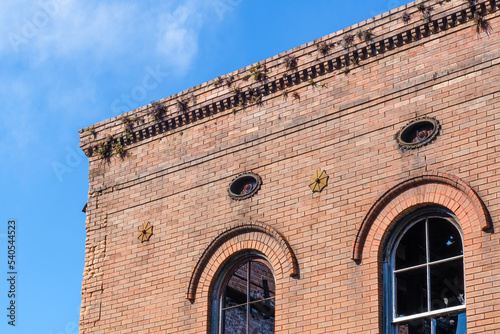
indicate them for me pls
(183, 105)
(258, 72)
(92, 131)
(128, 123)
(426, 11)
(119, 149)
(365, 35)
(481, 24)
(406, 17)
(348, 41)
(324, 48)
(104, 148)
(290, 62)
(158, 111)
(218, 82)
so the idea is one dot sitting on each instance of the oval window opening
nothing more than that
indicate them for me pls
(244, 186)
(418, 133)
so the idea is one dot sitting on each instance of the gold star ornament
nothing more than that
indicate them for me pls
(145, 232)
(319, 181)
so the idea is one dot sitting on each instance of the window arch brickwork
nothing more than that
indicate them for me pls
(439, 188)
(257, 236)
(241, 238)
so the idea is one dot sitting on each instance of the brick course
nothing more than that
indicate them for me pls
(176, 177)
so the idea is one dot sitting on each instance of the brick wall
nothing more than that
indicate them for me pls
(318, 116)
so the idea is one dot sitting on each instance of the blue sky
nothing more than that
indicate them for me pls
(67, 64)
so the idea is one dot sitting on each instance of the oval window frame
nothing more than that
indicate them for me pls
(403, 134)
(235, 191)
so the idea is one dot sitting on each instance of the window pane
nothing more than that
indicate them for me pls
(447, 284)
(236, 289)
(411, 292)
(444, 239)
(411, 248)
(248, 300)
(262, 317)
(418, 326)
(450, 324)
(261, 281)
(235, 320)
(444, 324)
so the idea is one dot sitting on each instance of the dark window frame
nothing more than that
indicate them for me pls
(390, 320)
(229, 269)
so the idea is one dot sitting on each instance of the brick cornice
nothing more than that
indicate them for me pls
(329, 64)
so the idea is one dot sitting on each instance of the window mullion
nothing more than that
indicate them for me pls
(221, 319)
(427, 260)
(410, 268)
(432, 314)
(394, 295)
(248, 296)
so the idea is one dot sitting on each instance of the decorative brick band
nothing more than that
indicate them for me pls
(273, 85)
(438, 195)
(232, 233)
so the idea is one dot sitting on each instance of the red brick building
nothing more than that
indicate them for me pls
(349, 185)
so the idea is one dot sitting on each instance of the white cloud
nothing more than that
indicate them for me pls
(24, 22)
(179, 36)
(103, 31)
(50, 77)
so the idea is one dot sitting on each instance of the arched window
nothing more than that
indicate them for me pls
(424, 276)
(244, 298)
